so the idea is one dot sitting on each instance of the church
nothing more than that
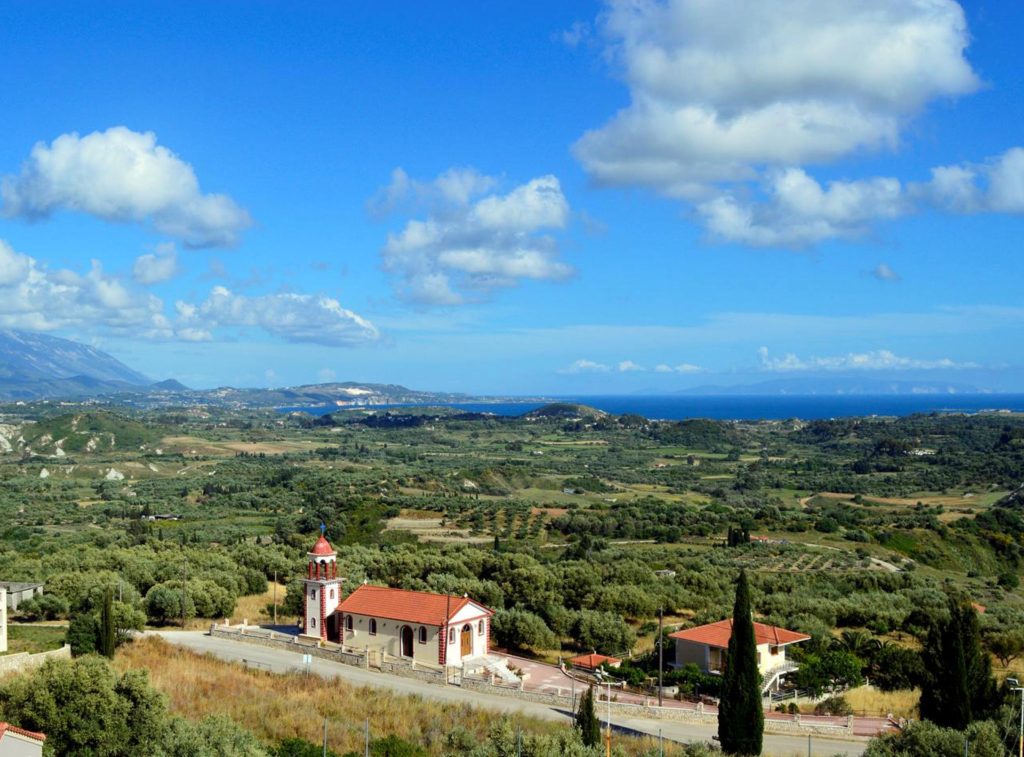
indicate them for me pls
(421, 627)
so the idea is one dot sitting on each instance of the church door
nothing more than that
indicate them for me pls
(406, 641)
(467, 641)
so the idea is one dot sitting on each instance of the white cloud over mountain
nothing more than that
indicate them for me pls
(157, 266)
(854, 361)
(472, 242)
(732, 102)
(123, 176)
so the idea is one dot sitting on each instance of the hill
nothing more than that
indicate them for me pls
(565, 411)
(36, 366)
(84, 433)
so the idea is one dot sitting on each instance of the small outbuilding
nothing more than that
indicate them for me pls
(592, 662)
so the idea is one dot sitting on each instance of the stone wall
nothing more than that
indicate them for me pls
(15, 663)
(419, 672)
(265, 638)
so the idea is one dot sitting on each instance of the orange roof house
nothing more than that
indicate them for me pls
(594, 661)
(19, 741)
(706, 647)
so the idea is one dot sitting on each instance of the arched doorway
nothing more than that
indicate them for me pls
(407, 641)
(467, 641)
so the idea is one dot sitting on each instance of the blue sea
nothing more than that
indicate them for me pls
(748, 407)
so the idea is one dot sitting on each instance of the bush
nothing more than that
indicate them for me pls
(519, 629)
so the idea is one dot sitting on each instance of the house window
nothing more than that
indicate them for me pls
(348, 622)
(373, 627)
(423, 635)
(480, 628)
(773, 650)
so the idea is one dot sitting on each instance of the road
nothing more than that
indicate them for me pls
(283, 661)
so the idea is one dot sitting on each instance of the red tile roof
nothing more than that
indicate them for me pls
(593, 661)
(718, 634)
(5, 727)
(401, 604)
(322, 547)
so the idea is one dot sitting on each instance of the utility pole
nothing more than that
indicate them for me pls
(184, 590)
(325, 737)
(366, 741)
(661, 652)
(609, 750)
(275, 597)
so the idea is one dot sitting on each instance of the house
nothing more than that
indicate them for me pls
(18, 742)
(592, 662)
(20, 592)
(435, 629)
(706, 647)
(416, 626)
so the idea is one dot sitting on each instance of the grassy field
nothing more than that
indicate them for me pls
(34, 638)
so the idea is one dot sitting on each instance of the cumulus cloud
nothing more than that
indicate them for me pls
(731, 102)
(585, 366)
(854, 361)
(157, 266)
(883, 272)
(628, 366)
(313, 319)
(471, 244)
(123, 176)
(681, 368)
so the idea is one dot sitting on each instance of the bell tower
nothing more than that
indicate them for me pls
(323, 591)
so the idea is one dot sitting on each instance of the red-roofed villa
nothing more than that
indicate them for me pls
(18, 742)
(706, 647)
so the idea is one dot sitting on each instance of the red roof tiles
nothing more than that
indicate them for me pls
(718, 634)
(322, 548)
(593, 661)
(404, 605)
(4, 727)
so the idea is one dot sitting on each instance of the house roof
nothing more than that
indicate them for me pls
(592, 661)
(718, 634)
(408, 606)
(322, 548)
(5, 727)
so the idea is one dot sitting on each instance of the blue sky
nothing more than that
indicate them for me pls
(519, 197)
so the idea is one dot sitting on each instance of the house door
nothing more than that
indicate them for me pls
(406, 641)
(467, 641)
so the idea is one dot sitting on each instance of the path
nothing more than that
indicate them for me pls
(283, 661)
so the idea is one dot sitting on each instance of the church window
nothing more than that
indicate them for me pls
(332, 593)
(373, 627)
(480, 628)
(451, 635)
(348, 622)
(423, 635)
(312, 622)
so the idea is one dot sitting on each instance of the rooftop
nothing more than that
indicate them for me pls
(404, 605)
(322, 548)
(7, 727)
(718, 634)
(593, 661)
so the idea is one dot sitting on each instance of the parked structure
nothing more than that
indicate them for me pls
(706, 647)
(20, 592)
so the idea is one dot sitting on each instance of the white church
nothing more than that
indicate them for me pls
(434, 629)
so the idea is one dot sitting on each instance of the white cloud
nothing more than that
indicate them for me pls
(799, 211)
(160, 265)
(853, 361)
(470, 243)
(720, 89)
(628, 366)
(585, 366)
(295, 317)
(731, 101)
(996, 186)
(883, 272)
(681, 368)
(124, 176)
(326, 375)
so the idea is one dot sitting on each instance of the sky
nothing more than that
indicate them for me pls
(519, 197)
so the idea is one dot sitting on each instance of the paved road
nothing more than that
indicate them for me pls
(282, 661)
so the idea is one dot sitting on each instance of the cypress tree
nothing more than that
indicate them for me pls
(106, 639)
(586, 720)
(740, 716)
(959, 687)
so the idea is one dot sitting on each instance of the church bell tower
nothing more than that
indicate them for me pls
(323, 591)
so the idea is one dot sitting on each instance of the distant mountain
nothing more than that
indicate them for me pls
(834, 385)
(36, 366)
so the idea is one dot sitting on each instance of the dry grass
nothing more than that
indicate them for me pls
(277, 707)
(868, 700)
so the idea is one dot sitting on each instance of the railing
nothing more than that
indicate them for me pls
(777, 672)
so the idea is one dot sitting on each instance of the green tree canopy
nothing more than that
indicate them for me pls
(740, 716)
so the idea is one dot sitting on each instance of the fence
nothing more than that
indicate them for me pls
(19, 661)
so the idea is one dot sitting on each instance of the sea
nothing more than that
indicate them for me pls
(748, 407)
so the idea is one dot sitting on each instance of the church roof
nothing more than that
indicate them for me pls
(404, 605)
(322, 547)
